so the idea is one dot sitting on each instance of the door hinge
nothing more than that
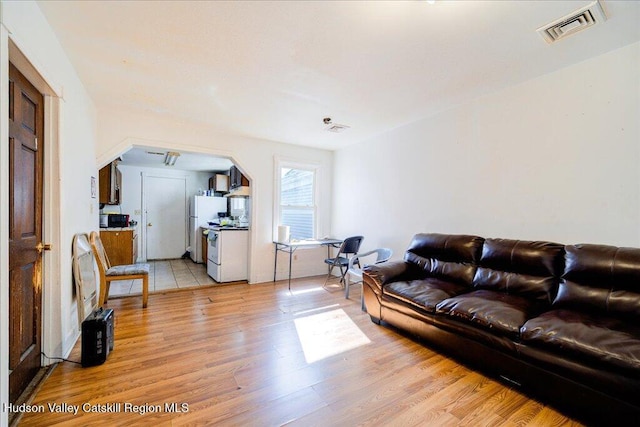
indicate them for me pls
(36, 144)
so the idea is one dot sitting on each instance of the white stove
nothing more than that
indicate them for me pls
(227, 253)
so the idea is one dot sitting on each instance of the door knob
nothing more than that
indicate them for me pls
(43, 247)
(149, 225)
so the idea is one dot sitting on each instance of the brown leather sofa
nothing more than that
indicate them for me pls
(562, 323)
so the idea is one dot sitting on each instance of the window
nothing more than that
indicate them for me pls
(297, 201)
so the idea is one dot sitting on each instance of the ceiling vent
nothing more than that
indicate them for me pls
(577, 21)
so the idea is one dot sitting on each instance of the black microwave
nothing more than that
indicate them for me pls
(117, 220)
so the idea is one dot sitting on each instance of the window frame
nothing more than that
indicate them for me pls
(306, 166)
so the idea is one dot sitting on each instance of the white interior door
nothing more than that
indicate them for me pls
(165, 208)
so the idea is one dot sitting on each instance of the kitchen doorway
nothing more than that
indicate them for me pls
(164, 210)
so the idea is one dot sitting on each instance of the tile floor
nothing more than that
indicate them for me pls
(165, 275)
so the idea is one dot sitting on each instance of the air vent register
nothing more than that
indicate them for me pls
(577, 21)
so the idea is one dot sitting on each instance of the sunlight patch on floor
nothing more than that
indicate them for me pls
(312, 310)
(306, 291)
(326, 334)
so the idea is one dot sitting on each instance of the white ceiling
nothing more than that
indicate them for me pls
(274, 70)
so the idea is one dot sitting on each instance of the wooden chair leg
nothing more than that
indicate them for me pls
(105, 296)
(145, 290)
(103, 289)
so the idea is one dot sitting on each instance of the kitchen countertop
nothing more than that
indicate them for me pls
(117, 228)
(224, 228)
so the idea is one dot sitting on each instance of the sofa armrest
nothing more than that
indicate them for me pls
(378, 275)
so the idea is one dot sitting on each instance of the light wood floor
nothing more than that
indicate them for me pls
(165, 275)
(258, 355)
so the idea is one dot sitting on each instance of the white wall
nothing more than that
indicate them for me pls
(131, 194)
(118, 130)
(555, 158)
(69, 166)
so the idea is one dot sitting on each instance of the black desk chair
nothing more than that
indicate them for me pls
(349, 247)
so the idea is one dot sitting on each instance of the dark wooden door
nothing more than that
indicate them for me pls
(26, 117)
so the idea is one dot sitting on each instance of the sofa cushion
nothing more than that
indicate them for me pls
(534, 258)
(424, 294)
(588, 336)
(129, 269)
(451, 258)
(498, 311)
(601, 278)
(534, 287)
(526, 268)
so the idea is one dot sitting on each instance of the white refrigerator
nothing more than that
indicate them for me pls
(202, 210)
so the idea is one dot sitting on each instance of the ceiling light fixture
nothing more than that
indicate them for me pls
(333, 127)
(171, 157)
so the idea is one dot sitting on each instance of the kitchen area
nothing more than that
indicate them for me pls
(188, 215)
(219, 230)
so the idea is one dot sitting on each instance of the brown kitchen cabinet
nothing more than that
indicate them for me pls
(121, 246)
(236, 178)
(110, 183)
(219, 183)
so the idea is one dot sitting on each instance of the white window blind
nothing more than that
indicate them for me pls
(297, 201)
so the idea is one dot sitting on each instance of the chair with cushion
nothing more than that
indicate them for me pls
(355, 272)
(348, 248)
(118, 272)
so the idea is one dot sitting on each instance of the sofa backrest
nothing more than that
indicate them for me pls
(445, 256)
(518, 267)
(601, 278)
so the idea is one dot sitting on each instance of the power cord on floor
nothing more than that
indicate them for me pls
(59, 358)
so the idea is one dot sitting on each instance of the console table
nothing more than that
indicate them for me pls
(290, 248)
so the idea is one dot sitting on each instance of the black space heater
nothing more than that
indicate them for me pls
(97, 337)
